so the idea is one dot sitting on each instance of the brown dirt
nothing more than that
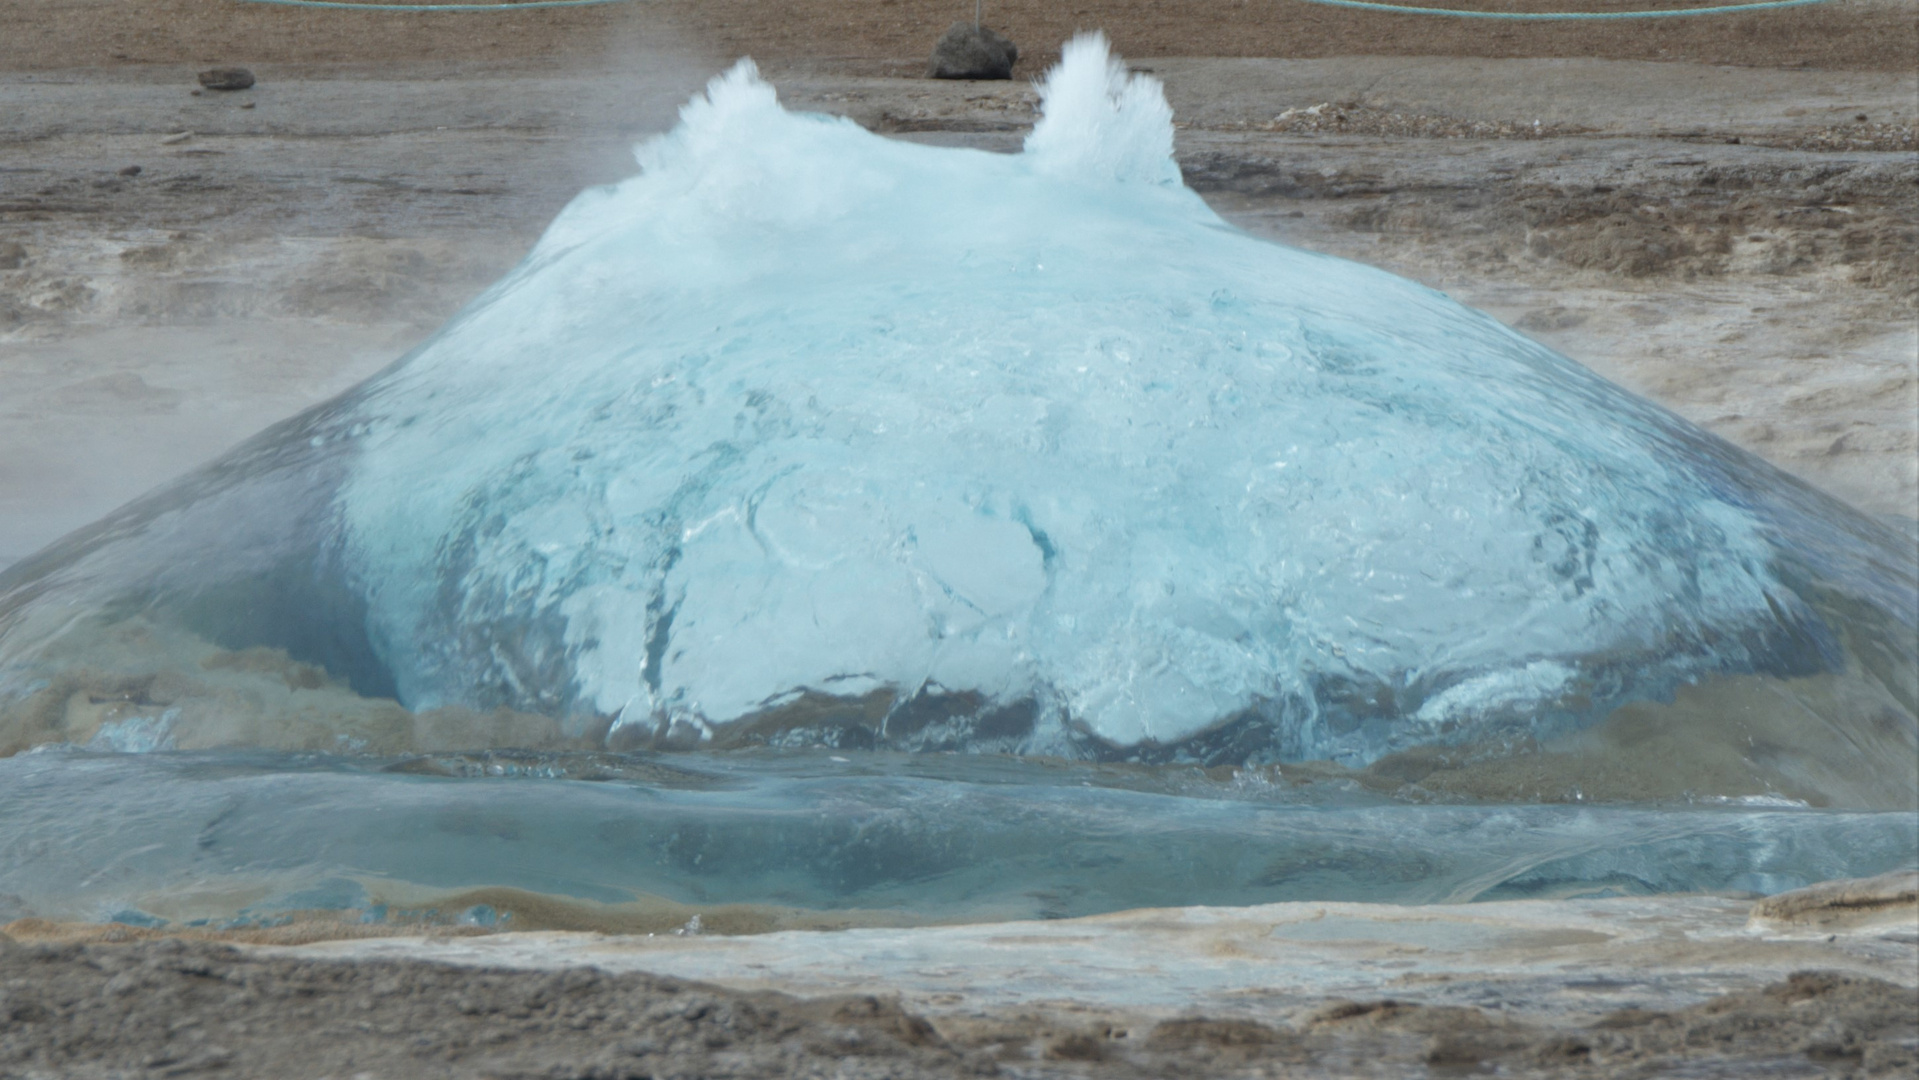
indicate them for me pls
(895, 35)
(1354, 118)
(177, 1008)
(174, 1008)
(1862, 220)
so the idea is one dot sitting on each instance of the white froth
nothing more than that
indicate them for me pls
(1100, 123)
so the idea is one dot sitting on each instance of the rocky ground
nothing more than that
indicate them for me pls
(874, 37)
(173, 1008)
(1810, 984)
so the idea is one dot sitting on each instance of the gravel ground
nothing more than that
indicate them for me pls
(896, 36)
(170, 1008)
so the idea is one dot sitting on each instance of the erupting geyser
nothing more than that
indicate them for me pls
(806, 436)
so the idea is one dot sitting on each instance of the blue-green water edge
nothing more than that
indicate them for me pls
(930, 837)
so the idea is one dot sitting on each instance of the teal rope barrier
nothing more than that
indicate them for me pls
(1670, 13)
(1364, 5)
(339, 5)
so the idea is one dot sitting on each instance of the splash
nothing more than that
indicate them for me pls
(1100, 124)
(802, 435)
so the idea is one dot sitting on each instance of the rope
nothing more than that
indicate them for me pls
(1364, 5)
(1671, 13)
(344, 6)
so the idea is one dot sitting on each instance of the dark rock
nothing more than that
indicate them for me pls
(226, 78)
(1200, 1031)
(131, 170)
(972, 52)
(1075, 1047)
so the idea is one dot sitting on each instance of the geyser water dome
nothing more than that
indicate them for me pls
(805, 436)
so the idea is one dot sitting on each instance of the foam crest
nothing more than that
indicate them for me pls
(712, 122)
(737, 160)
(1098, 122)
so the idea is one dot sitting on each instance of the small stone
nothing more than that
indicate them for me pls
(131, 170)
(12, 256)
(233, 78)
(972, 52)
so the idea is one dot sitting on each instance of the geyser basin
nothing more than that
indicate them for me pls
(803, 438)
(618, 844)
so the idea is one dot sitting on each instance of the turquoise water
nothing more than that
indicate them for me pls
(242, 836)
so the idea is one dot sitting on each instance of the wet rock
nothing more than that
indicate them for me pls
(227, 78)
(1889, 901)
(972, 52)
